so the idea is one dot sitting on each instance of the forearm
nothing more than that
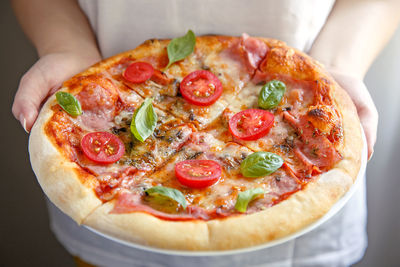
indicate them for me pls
(56, 26)
(355, 33)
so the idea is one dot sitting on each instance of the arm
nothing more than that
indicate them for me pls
(352, 37)
(65, 44)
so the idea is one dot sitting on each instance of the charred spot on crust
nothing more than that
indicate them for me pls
(317, 112)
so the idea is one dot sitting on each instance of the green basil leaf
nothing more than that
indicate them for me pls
(244, 198)
(271, 94)
(260, 164)
(181, 47)
(169, 193)
(144, 120)
(69, 103)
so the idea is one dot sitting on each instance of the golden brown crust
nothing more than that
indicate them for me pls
(145, 229)
(352, 145)
(297, 212)
(59, 178)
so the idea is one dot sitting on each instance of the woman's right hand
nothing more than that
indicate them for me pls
(43, 79)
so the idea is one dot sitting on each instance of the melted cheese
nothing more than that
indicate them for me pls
(153, 162)
(223, 194)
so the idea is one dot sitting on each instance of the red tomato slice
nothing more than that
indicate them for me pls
(102, 147)
(251, 124)
(138, 72)
(198, 173)
(201, 88)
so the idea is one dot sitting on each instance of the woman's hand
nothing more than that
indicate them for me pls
(347, 45)
(366, 109)
(65, 44)
(43, 79)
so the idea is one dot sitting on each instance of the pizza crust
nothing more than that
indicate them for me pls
(145, 229)
(63, 186)
(59, 178)
(352, 140)
(300, 210)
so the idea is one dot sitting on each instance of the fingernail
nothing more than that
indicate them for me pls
(370, 157)
(23, 122)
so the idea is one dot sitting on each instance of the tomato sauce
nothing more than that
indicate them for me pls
(312, 151)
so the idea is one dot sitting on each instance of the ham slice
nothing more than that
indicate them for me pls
(250, 51)
(314, 149)
(128, 202)
(254, 51)
(98, 98)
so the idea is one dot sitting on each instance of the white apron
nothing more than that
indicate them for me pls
(121, 25)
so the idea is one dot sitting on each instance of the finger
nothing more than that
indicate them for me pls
(368, 115)
(33, 88)
(369, 122)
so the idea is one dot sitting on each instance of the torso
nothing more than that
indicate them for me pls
(121, 25)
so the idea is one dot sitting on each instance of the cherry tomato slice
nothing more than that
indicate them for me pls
(102, 147)
(251, 124)
(201, 88)
(198, 173)
(138, 72)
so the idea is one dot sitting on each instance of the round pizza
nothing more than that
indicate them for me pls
(198, 143)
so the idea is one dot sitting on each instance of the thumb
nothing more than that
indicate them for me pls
(32, 90)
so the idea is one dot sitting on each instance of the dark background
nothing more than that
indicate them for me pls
(25, 238)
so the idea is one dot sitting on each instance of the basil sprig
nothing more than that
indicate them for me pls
(260, 164)
(144, 120)
(244, 198)
(181, 47)
(163, 193)
(69, 103)
(271, 94)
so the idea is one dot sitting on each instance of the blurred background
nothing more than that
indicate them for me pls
(25, 238)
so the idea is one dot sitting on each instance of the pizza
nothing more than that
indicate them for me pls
(198, 143)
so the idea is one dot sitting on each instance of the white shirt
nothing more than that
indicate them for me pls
(121, 25)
